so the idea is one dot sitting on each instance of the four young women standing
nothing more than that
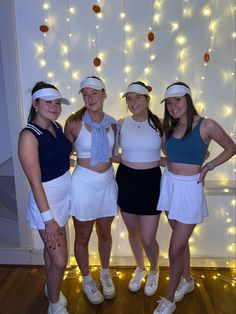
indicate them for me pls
(44, 154)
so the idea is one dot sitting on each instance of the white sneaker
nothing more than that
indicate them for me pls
(107, 286)
(136, 281)
(56, 309)
(93, 294)
(183, 288)
(165, 307)
(151, 283)
(62, 298)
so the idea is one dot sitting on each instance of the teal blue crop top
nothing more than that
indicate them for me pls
(190, 149)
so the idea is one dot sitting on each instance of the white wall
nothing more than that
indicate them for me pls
(218, 87)
(5, 145)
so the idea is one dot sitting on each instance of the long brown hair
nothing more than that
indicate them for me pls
(153, 119)
(37, 86)
(169, 122)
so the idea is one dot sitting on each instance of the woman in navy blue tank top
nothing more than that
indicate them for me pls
(44, 153)
(186, 139)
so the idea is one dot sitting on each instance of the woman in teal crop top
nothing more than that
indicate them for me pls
(186, 138)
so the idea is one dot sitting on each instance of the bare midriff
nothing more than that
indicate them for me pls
(183, 169)
(101, 167)
(140, 165)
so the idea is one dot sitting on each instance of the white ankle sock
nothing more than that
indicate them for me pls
(87, 279)
(104, 271)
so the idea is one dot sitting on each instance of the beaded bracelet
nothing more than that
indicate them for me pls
(47, 216)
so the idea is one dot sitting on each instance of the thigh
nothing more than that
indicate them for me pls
(83, 229)
(131, 221)
(103, 225)
(181, 234)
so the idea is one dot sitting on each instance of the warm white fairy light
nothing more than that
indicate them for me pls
(71, 10)
(174, 26)
(42, 63)
(50, 74)
(122, 15)
(127, 28)
(181, 40)
(46, 5)
(152, 57)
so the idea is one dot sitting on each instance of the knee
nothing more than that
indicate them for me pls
(149, 243)
(104, 236)
(59, 263)
(175, 253)
(81, 239)
(133, 233)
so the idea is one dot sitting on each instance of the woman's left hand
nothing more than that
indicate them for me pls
(203, 173)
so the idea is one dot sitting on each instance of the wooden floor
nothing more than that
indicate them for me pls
(21, 292)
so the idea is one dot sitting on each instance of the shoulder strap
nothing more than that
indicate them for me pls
(33, 129)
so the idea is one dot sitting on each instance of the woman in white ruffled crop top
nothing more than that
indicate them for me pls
(138, 178)
(93, 198)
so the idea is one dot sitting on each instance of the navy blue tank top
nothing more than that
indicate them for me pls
(54, 152)
(190, 149)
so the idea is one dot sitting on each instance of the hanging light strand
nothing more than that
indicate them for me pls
(44, 29)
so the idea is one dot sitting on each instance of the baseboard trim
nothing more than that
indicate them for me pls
(24, 256)
(37, 259)
(15, 256)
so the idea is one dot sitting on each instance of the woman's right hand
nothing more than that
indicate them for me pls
(52, 235)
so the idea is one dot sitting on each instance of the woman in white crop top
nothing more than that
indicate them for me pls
(93, 196)
(138, 178)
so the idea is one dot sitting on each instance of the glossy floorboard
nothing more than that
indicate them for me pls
(21, 292)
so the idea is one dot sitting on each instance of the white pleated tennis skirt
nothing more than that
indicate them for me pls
(93, 194)
(183, 198)
(58, 196)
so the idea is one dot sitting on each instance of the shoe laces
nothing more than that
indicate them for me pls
(181, 284)
(93, 287)
(107, 280)
(152, 278)
(162, 305)
(137, 275)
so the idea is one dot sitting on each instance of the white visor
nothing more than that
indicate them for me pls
(49, 94)
(176, 91)
(136, 88)
(92, 83)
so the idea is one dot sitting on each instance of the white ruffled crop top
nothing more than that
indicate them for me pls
(139, 141)
(83, 142)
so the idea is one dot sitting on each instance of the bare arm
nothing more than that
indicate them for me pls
(117, 159)
(71, 131)
(213, 131)
(163, 160)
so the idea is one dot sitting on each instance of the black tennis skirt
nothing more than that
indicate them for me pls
(138, 190)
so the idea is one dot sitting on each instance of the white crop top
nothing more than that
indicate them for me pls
(83, 142)
(139, 141)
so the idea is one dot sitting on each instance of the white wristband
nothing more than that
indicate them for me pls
(47, 215)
